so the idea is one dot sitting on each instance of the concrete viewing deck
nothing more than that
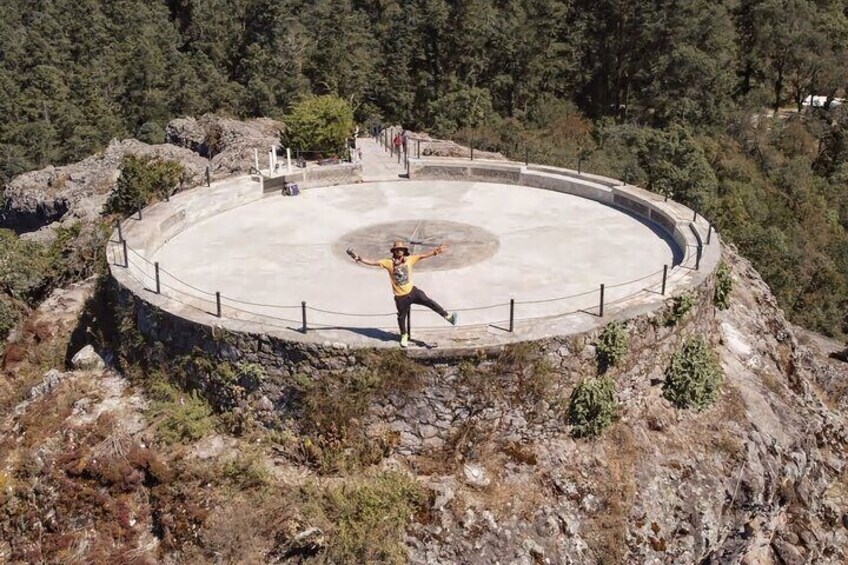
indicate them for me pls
(549, 250)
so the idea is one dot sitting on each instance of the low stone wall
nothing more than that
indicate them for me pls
(326, 175)
(647, 205)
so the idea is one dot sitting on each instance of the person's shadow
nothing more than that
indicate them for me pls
(382, 335)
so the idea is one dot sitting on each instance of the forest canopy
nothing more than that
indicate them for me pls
(700, 99)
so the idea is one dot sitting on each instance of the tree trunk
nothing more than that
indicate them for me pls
(778, 90)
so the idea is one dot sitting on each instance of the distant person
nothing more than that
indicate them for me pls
(399, 267)
(398, 141)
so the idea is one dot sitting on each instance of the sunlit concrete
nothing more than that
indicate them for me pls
(504, 242)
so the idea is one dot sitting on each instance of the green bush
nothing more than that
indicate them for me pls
(694, 376)
(246, 470)
(10, 314)
(680, 306)
(592, 406)
(724, 284)
(150, 132)
(179, 416)
(366, 519)
(26, 268)
(319, 124)
(143, 180)
(612, 345)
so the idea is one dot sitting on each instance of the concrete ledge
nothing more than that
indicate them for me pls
(326, 175)
(164, 220)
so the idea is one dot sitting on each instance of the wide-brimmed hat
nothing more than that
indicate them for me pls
(400, 245)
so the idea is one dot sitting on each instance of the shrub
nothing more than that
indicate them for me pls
(319, 124)
(142, 181)
(592, 406)
(366, 519)
(537, 382)
(681, 305)
(246, 470)
(151, 132)
(26, 267)
(724, 284)
(694, 376)
(395, 371)
(612, 345)
(517, 356)
(10, 314)
(179, 416)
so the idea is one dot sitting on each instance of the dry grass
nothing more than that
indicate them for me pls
(731, 406)
(606, 530)
(43, 418)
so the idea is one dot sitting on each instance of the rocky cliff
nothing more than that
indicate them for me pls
(124, 464)
(759, 477)
(77, 192)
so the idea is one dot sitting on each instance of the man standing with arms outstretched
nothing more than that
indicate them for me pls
(399, 267)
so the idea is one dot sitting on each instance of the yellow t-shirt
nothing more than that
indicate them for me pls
(400, 275)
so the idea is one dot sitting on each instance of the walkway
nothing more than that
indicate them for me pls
(377, 163)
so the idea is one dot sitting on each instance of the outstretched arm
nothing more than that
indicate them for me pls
(362, 260)
(437, 251)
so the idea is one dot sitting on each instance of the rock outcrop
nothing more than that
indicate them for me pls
(77, 192)
(228, 143)
(756, 478)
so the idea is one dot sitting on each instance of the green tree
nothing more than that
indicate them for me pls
(142, 181)
(319, 124)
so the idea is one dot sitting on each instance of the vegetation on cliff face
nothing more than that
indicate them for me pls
(141, 182)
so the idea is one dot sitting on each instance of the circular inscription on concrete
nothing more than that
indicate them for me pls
(467, 244)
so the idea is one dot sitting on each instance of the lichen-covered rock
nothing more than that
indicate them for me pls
(228, 143)
(77, 192)
(87, 359)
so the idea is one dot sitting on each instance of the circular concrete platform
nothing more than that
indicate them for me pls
(548, 250)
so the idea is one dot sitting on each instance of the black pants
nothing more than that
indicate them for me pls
(405, 302)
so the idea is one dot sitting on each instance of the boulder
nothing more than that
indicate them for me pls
(86, 359)
(77, 192)
(475, 475)
(228, 143)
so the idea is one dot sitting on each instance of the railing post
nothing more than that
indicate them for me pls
(472, 150)
(126, 257)
(511, 314)
(156, 271)
(208, 176)
(579, 165)
(694, 215)
(526, 156)
(418, 148)
(139, 215)
(698, 260)
(218, 303)
(601, 307)
(665, 278)
(303, 313)
(120, 231)
(709, 234)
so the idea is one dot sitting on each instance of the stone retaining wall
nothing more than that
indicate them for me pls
(450, 393)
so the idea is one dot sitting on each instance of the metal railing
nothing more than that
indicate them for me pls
(151, 276)
(154, 278)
